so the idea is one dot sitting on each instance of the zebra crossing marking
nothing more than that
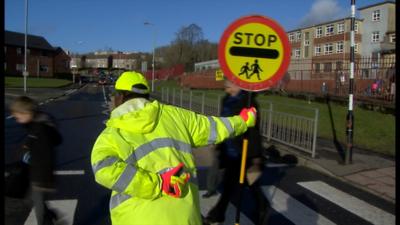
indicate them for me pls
(65, 207)
(350, 203)
(207, 203)
(69, 172)
(292, 209)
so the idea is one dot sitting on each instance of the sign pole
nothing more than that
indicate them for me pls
(242, 168)
(350, 115)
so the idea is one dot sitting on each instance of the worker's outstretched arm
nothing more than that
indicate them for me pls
(206, 130)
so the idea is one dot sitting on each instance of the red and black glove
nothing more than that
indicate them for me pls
(249, 116)
(174, 180)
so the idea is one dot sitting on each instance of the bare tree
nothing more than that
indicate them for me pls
(188, 47)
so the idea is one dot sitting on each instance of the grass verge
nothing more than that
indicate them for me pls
(33, 82)
(373, 131)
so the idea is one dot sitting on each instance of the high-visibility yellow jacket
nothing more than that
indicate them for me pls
(143, 139)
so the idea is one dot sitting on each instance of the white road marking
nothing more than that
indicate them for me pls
(69, 172)
(292, 209)
(271, 165)
(104, 94)
(350, 203)
(207, 203)
(66, 208)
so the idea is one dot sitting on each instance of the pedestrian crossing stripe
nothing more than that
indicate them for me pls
(207, 203)
(292, 209)
(280, 201)
(66, 208)
(356, 206)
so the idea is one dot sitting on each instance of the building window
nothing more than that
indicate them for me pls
(307, 35)
(355, 27)
(291, 37)
(328, 49)
(20, 67)
(392, 38)
(317, 67)
(375, 36)
(328, 67)
(356, 48)
(339, 47)
(297, 53)
(376, 15)
(317, 50)
(340, 28)
(329, 30)
(298, 35)
(306, 49)
(19, 51)
(306, 43)
(318, 32)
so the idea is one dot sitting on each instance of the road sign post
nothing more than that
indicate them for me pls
(254, 53)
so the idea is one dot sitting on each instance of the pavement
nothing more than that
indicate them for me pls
(369, 171)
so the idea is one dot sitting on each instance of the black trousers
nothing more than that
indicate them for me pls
(230, 183)
(44, 215)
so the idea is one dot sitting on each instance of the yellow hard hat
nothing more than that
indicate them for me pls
(128, 79)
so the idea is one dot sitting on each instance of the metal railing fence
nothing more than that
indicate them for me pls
(296, 130)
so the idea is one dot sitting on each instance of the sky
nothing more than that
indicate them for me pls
(83, 26)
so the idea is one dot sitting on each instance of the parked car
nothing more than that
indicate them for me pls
(84, 79)
(102, 81)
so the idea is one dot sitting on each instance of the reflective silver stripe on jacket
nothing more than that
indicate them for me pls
(104, 163)
(227, 125)
(213, 131)
(117, 199)
(125, 178)
(155, 144)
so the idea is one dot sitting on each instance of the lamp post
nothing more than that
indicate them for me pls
(25, 73)
(152, 64)
(348, 159)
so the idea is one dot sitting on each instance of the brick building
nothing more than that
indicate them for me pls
(321, 49)
(43, 60)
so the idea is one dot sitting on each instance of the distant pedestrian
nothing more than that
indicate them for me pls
(374, 87)
(324, 88)
(392, 90)
(42, 138)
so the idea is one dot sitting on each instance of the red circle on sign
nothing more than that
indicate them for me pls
(254, 86)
